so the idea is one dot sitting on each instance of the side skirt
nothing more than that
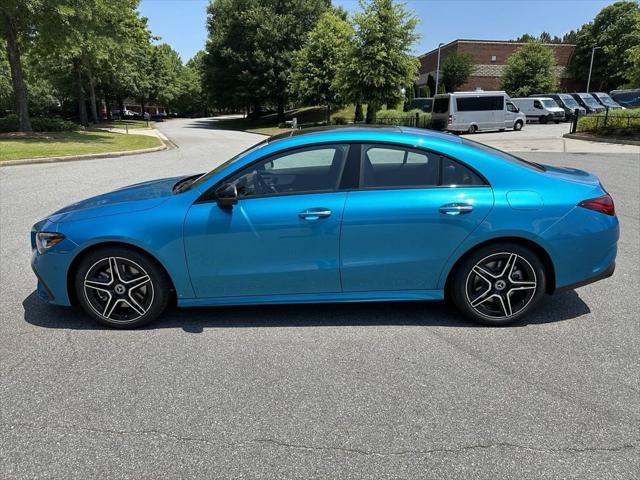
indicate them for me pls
(383, 296)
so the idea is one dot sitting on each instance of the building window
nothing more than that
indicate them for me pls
(493, 58)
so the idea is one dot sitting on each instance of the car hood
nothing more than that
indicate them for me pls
(140, 196)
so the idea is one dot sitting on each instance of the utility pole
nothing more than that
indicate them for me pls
(438, 69)
(593, 51)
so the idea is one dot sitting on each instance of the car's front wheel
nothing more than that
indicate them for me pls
(498, 284)
(518, 125)
(121, 288)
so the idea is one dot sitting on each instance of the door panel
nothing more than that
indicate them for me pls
(401, 239)
(265, 246)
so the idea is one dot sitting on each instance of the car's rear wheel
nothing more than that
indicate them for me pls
(498, 284)
(472, 129)
(121, 287)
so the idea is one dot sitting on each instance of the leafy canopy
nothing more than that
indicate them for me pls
(531, 69)
(380, 63)
(317, 64)
(616, 31)
(456, 70)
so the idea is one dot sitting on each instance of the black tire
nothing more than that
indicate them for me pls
(543, 120)
(517, 126)
(472, 129)
(478, 294)
(129, 299)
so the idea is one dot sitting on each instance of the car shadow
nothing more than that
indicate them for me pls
(556, 308)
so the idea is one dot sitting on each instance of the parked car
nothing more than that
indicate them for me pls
(590, 104)
(627, 98)
(606, 101)
(566, 102)
(422, 103)
(130, 114)
(474, 111)
(543, 109)
(334, 215)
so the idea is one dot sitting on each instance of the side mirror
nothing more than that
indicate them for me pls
(227, 195)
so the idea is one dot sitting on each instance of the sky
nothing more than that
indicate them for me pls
(182, 23)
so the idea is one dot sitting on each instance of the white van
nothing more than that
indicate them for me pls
(474, 111)
(542, 109)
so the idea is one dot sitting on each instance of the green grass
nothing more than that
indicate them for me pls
(124, 123)
(72, 143)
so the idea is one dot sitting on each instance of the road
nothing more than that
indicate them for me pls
(322, 391)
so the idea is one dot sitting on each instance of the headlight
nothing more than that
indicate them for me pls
(46, 240)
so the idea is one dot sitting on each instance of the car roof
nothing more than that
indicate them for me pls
(321, 131)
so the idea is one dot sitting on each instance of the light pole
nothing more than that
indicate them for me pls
(438, 69)
(593, 51)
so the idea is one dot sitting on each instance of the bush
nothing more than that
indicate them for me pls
(340, 121)
(39, 124)
(398, 117)
(618, 122)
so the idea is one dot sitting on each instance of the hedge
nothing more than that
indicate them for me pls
(39, 124)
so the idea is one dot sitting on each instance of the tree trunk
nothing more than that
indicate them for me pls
(371, 113)
(328, 114)
(121, 106)
(82, 107)
(92, 97)
(358, 114)
(17, 80)
(281, 117)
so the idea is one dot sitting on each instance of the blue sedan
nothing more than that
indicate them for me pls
(334, 215)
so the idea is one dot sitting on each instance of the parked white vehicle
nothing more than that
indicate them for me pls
(474, 111)
(542, 109)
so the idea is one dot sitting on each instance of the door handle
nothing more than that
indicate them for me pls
(314, 213)
(456, 208)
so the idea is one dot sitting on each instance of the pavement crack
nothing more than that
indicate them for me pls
(327, 448)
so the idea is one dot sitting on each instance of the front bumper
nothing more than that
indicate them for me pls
(51, 271)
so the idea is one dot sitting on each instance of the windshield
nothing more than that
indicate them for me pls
(589, 100)
(550, 103)
(606, 99)
(569, 101)
(224, 165)
(504, 155)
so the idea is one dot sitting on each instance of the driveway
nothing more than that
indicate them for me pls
(548, 138)
(312, 391)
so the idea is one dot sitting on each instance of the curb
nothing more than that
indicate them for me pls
(588, 138)
(166, 145)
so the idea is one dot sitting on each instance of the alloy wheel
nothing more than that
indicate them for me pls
(501, 285)
(118, 289)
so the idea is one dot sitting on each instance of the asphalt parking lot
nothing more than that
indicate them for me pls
(319, 391)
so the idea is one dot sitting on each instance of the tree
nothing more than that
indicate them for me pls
(317, 64)
(456, 70)
(250, 49)
(616, 31)
(379, 63)
(634, 74)
(16, 22)
(531, 69)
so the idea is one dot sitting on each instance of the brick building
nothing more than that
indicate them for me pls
(490, 57)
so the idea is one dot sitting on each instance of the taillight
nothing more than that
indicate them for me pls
(450, 119)
(603, 204)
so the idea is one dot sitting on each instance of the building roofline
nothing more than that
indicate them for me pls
(502, 42)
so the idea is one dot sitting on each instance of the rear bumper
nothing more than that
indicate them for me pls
(606, 273)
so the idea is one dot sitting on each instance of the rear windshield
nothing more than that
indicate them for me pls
(504, 155)
(441, 105)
